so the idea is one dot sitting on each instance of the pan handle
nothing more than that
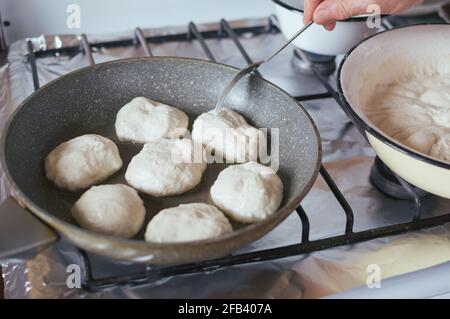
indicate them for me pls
(21, 234)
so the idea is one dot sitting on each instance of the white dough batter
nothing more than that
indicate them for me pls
(143, 120)
(229, 136)
(248, 192)
(110, 209)
(82, 162)
(166, 167)
(187, 222)
(415, 111)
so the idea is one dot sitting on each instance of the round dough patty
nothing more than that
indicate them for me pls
(166, 167)
(229, 136)
(82, 162)
(110, 209)
(187, 223)
(143, 120)
(247, 192)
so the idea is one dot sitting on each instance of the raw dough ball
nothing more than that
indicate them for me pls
(82, 162)
(167, 167)
(187, 223)
(248, 192)
(229, 136)
(110, 209)
(143, 120)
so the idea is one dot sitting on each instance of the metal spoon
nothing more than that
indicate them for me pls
(252, 67)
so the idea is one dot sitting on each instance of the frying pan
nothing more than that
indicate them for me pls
(87, 100)
(378, 60)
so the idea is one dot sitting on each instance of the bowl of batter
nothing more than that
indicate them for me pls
(396, 87)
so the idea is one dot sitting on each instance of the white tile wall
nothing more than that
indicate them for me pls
(36, 17)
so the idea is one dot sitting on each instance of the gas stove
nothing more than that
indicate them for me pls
(355, 207)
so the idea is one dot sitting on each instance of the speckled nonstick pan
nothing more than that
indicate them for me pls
(87, 100)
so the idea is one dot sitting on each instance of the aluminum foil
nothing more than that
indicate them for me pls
(346, 155)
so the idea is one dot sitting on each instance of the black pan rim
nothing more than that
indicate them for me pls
(264, 226)
(352, 19)
(372, 129)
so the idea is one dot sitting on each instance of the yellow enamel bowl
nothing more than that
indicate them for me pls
(377, 60)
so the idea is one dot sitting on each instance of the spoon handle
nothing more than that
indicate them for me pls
(306, 26)
(252, 67)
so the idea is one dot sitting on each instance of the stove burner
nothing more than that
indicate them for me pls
(324, 64)
(386, 182)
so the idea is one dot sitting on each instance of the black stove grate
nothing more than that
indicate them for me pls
(305, 245)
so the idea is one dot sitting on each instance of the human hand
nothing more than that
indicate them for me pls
(327, 12)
